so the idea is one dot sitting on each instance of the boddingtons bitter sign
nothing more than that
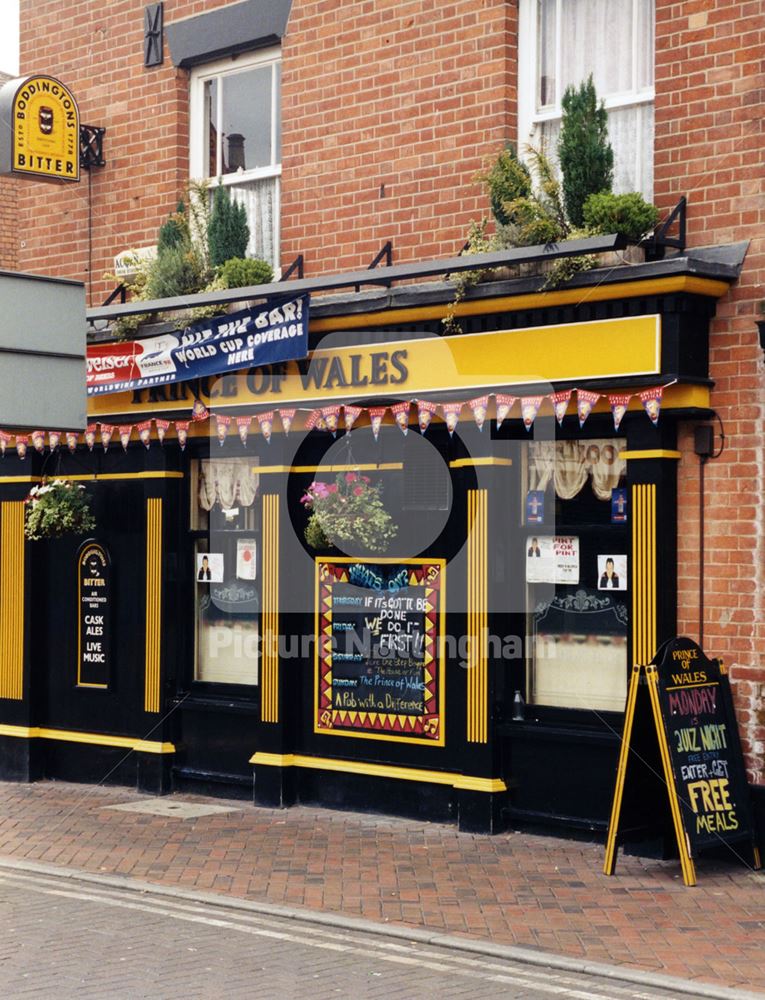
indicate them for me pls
(41, 129)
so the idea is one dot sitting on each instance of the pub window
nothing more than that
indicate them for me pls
(235, 139)
(576, 544)
(561, 42)
(225, 519)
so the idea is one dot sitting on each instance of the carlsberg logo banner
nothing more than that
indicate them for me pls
(276, 331)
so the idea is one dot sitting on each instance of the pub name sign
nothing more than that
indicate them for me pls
(41, 129)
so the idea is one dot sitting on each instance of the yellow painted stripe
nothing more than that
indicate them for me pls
(686, 863)
(534, 300)
(153, 604)
(477, 618)
(451, 778)
(644, 600)
(685, 687)
(651, 453)
(621, 771)
(92, 739)
(102, 476)
(463, 463)
(12, 600)
(369, 467)
(19, 479)
(269, 696)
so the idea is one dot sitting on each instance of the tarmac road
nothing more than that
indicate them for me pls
(63, 938)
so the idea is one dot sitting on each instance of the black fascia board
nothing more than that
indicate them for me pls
(239, 27)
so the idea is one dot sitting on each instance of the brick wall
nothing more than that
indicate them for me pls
(710, 108)
(8, 218)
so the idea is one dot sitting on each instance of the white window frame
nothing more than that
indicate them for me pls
(200, 75)
(529, 117)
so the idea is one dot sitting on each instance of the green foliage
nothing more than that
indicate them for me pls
(177, 270)
(55, 509)
(349, 514)
(174, 231)
(239, 272)
(506, 179)
(628, 214)
(227, 232)
(585, 154)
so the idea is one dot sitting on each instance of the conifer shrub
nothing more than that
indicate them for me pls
(584, 152)
(227, 233)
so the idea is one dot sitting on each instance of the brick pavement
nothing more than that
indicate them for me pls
(513, 889)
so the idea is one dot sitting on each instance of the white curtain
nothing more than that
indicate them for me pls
(228, 482)
(260, 199)
(571, 463)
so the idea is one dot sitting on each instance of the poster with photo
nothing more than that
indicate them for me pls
(612, 572)
(246, 559)
(209, 567)
(552, 559)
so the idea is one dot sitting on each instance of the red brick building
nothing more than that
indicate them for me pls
(346, 125)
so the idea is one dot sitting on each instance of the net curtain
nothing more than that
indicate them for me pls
(569, 465)
(228, 482)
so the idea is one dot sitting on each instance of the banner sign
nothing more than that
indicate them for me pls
(379, 666)
(93, 614)
(278, 331)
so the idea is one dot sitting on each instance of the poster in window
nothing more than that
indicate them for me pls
(246, 558)
(535, 507)
(619, 506)
(379, 661)
(612, 572)
(552, 559)
(210, 567)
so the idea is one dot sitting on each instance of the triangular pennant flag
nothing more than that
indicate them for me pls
(38, 441)
(313, 420)
(529, 409)
(451, 415)
(401, 415)
(199, 411)
(221, 422)
(107, 430)
(287, 416)
(144, 433)
(266, 423)
(560, 401)
(54, 438)
(243, 427)
(479, 407)
(504, 406)
(125, 430)
(584, 404)
(21, 446)
(350, 415)
(376, 415)
(182, 430)
(331, 415)
(162, 428)
(90, 436)
(619, 404)
(4, 441)
(425, 413)
(651, 400)
(71, 441)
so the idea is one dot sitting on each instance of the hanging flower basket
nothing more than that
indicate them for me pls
(348, 514)
(55, 509)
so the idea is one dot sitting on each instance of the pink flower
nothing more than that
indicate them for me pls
(351, 477)
(332, 488)
(321, 490)
(358, 491)
(366, 479)
(306, 499)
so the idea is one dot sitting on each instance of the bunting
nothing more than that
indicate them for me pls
(54, 438)
(331, 415)
(287, 416)
(38, 441)
(312, 421)
(351, 414)
(401, 415)
(125, 430)
(90, 436)
(71, 441)
(107, 431)
(452, 415)
(584, 404)
(376, 414)
(222, 424)
(4, 442)
(619, 404)
(162, 429)
(529, 409)
(266, 424)
(243, 428)
(651, 400)
(21, 446)
(425, 413)
(199, 411)
(504, 406)
(144, 433)
(479, 407)
(560, 401)
(182, 430)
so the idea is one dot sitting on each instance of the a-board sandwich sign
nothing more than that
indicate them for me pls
(693, 723)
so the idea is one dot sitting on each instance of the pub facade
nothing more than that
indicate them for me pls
(538, 466)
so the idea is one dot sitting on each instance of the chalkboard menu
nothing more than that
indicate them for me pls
(692, 724)
(379, 672)
(93, 615)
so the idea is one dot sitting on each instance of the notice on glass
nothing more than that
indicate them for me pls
(552, 559)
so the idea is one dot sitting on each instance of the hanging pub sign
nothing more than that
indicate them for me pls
(379, 661)
(93, 615)
(274, 332)
(41, 117)
(680, 725)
